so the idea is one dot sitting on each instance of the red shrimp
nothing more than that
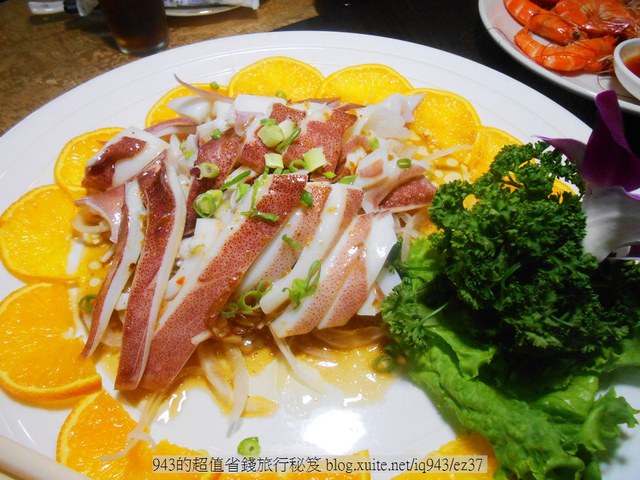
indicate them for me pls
(591, 54)
(601, 17)
(542, 22)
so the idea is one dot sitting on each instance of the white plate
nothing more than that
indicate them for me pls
(503, 28)
(197, 11)
(405, 423)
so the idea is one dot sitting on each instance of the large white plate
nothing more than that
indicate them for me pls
(502, 28)
(405, 423)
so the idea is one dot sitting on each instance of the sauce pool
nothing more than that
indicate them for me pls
(633, 63)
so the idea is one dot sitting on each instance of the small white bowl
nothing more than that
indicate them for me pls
(623, 52)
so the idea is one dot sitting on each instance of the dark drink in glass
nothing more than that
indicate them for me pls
(139, 27)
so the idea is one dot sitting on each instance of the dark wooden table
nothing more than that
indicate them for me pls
(453, 26)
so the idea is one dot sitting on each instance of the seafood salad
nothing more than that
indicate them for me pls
(249, 217)
(574, 35)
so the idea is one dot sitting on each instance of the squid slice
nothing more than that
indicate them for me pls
(364, 272)
(415, 193)
(109, 205)
(166, 213)
(122, 158)
(341, 207)
(204, 295)
(395, 177)
(279, 257)
(221, 152)
(127, 251)
(334, 272)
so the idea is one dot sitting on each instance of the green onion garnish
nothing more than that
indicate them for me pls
(214, 85)
(288, 141)
(306, 199)
(207, 203)
(301, 288)
(216, 134)
(281, 94)
(404, 163)
(249, 447)
(348, 180)
(292, 242)
(374, 143)
(329, 175)
(229, 310)
(86, 303)
(208, 170)
(236, 179)
(385, 363)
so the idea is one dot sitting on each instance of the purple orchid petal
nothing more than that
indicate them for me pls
(613, 221)
(608, 158)
(574, 150)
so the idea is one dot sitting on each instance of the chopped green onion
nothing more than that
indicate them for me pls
(208, 170)
(242, 190)
(207, 203)
(267, 121)
(273, 160)
(236, 179)
(271, 135)
(292, 242)
(216, 134)
(306, 199)
(329, 175)
(266, 216)
(86, 303)
(288, 140)
(297, 164)
(256, 294)
(188, 154)
(214, 85)
(249, 447)
(301, 288)
(348, 180)
(404, 163)
(229, 310)
(374, 143)
(287, 126)
(314, 158)
(281, 94)
(385, 363)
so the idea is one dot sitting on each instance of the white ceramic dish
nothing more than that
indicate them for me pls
(405, 423)
(623, 53)
(197, 11)
(502, 28)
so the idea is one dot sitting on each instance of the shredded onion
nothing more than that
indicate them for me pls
(240, 382)
(207, 95)
(341, 338)
(311, 378)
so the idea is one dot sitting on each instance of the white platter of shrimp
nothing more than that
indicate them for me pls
(565, 41)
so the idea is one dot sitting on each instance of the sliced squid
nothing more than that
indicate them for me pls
(280, 256)
(364, 272)
(204, 295)
(166, 212)
(127, 251)
(122, 158)
(341, 207)
(301, 318)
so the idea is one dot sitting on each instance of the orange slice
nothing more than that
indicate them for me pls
(489, 142)
(69, 169)
(97, 427)
(36, 235)
(445, 119)
(277, 76)
(39, 356)
(363, 84)
(473, 444)
(160, 112)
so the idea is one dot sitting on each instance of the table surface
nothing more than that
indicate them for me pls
(45, 56)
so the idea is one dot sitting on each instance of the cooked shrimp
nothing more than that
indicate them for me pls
(543, 22)
(591, 55)
(600, 17)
